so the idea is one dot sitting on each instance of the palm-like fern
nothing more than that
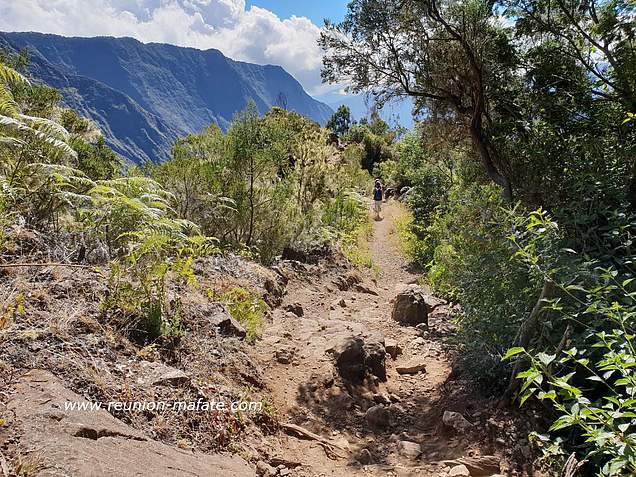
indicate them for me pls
(8, 78)
(16, 127)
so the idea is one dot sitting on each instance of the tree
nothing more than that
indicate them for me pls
(340, 121)
(597, 38)
(449, 55)
(597, 34)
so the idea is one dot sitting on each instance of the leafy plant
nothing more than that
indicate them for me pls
(245, 306)
(591, 385)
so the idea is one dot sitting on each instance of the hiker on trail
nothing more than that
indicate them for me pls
(377, 198)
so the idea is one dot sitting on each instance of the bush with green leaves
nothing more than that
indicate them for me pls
(267, 184)
(137, 301)
(587, 370)
(245, 306)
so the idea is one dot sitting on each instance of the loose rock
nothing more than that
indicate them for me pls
(375, 356)
(378, 417)
(365, 457)
(410, 306)
(456, 421)
(412, 367)
(459, 471)
(392, 348)
(158, 374)
(355, 357)
(263, 469)
(295, 308)
(481, 466)
(227, 325)
(349, 354)
(284, 355)
(409, 449)
(364, 289)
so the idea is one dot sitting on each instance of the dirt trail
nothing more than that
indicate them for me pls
(306, 390)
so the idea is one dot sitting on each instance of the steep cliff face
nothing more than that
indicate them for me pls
(144, 95)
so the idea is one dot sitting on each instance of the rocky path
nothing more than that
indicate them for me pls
(372, 426)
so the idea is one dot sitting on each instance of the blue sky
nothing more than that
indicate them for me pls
(279, 32)
(315, 10)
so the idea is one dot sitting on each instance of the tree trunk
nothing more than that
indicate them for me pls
(480, 144)
(526, 333)
(251, 199)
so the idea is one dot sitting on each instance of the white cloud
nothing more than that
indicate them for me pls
(255, 35)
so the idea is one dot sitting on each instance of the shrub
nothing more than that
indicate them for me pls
(245, 306)
(587, 373)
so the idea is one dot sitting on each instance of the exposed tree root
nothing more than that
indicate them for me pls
(328, 446)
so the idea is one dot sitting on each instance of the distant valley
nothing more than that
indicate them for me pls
(143, 96)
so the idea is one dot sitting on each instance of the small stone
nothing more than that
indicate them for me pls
(392, 348)
(397, 409)
(456, 421)
(284, 355)
(226, 324)
(412, 367)
(263, 469)
(409, 449)
(364, 289)
(378, 417)
(381, 398)
(459, 471)
(365, 457)
(418, 342)
(295, 308)
(341, 303)
(422, 329)
(158, 374)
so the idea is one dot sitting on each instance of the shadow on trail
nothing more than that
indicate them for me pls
(416, 418)
(415, 411)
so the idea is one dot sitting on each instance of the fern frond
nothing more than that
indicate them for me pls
(8, 106)
(11, 141)
(64, 174)
(46, 126)
(20, 126)
(11, 77)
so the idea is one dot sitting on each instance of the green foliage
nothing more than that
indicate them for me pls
(374, 138)
(348, 219)
(591, 385)
(245, 306)
(137, 300)
(96, 160)
(340, 121)
(267, 184)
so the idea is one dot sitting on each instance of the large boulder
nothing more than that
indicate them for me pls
(85, 441)
(378, 417)
(410, 306)
(356, 357)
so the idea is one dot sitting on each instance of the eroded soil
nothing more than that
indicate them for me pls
(307, 391)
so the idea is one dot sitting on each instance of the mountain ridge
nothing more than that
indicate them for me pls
(145, 95)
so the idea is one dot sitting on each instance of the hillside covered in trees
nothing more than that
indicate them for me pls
(483, 324)
(144, 96)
